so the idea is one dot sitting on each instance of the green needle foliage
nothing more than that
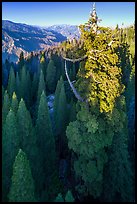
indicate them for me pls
(18, 83)
(34, 87)
(24, 126)
(6, 106)
(22, 187)
(21, 61)
(41, 87)
(61, 112)
(10, 145)
(28, 90)
(124, 58)
(28, 144)
(72, 73)
(69, 197)
(45, 140)
(23, 84)
(72, 113)
(94, 139)
(118, 173)
(59, 198)
(100, 79)
(43, 65)
(89, 136)
(51, 76)
(56, 100)
(11, 82)
(14, 103)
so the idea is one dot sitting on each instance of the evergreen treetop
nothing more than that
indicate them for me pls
(22, 187)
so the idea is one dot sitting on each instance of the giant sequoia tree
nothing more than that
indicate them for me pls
(97, 124)
(101, 73)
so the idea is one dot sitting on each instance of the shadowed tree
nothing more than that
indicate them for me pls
(61, 112)
(11, 82)
(59, 198)
(69, 197)
(51, 76)
(45, 141)
(5, 107)
(3, 91)
(17, 88)
(23, 82)
(118, 172)
(10, 145)
(56, 100)
(41, 87)
(34, 86)
(43, 65)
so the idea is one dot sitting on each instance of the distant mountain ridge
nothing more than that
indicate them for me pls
(17, 37)
(69, 31)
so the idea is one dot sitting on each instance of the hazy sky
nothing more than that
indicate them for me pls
(74, 13)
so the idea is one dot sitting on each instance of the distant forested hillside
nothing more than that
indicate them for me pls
(17, 37)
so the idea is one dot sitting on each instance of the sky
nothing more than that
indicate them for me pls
(72, 13)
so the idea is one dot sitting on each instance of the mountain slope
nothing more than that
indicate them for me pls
(17, 37)
(69, 31)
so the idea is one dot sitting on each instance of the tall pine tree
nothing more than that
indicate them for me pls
(51, 76)
(23, 84)
(22, 187)
(10, 145)
(56, 100)
(24, 127)
(11, 82)
(28, 144)
(14, 103)
(5, 107)
(43, 65)
(46, 141)
(18, 83)
(61, 112)
(41, 87)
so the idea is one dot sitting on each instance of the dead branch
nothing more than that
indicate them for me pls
(74, 60)
(77, 95)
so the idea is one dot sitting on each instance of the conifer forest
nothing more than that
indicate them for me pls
(68, 120)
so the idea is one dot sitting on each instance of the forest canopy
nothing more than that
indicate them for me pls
(68, 120)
